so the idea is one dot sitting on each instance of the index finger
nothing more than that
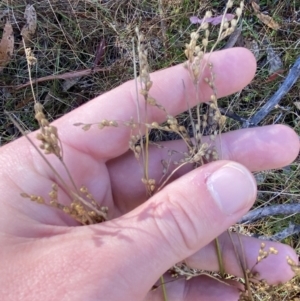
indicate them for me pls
(234, 69)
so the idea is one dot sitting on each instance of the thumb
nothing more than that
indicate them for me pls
(192, 211)
(175, 223)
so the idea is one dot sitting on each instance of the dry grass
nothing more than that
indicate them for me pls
(68, 38)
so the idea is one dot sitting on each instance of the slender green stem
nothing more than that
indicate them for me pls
(163, 287)
(220, 258)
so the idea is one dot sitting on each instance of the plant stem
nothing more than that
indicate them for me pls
(220, 258)
(162, 281)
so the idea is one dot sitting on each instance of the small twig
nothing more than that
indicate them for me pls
(284, 209)
(232, 115)
(100, 52)
(66, 75)
(275, 99)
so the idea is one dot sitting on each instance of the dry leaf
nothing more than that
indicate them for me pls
(275, 75)
(69, 83)
(67, 75)
(30, 27)
(297, 104)
(6, 45)
(253, 46)
(269, 21)
(274, 60)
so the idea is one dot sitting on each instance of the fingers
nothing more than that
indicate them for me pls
(248, 252)
(234, 69)
(202, 288)
(169, 227)
(256, 148)
(259, 149)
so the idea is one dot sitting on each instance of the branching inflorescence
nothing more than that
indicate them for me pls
(204, 126)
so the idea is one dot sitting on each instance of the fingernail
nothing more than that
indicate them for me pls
(232, 187)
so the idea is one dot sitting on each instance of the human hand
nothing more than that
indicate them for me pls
(45, 256)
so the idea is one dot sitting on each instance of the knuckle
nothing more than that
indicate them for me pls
(175, 218)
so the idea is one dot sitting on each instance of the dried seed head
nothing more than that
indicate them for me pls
(154, 125)
(31, 59)
(40, 200)
(149, 85)
(38, 107)
(48, 135)
(138, 149)
(197, 50)
(86, 127)
(272, 250)
(229, 4)
(208, 14)
(204, 26)
(113, 123)
(213, 98)
(24, 195)
(44, 122)
(233, 23)
(204, 42)
(238, 12)
(194, 36)
(39, 116)
(151, 101)
(67, 210)
(151, 181)
(290, 261)
(83, 189)
(105, 122)
(215, 155)
(54, 203)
